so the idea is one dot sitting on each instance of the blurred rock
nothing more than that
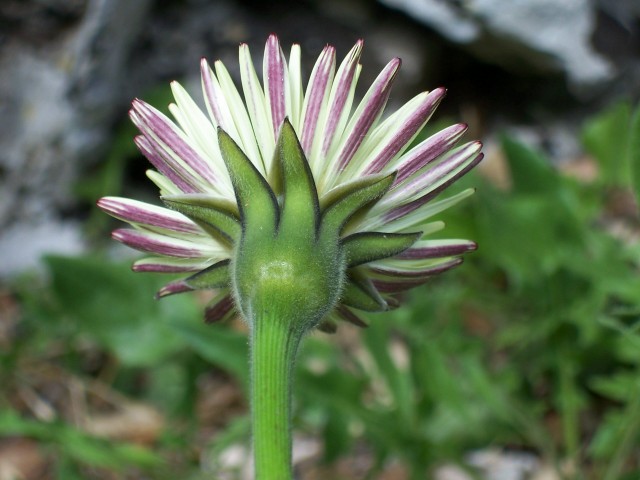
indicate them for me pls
(529, 35)
(63, 67)
(504, 465)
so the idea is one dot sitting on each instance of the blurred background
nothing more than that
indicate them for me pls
(524, 363)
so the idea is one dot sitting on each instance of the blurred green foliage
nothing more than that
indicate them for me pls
(534, 343)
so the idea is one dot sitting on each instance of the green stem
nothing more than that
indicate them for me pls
(274, 344)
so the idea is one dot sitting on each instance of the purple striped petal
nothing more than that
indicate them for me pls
(221, 308)
(216, 103)
(163, 134)
(341, 89)
(317, 92)
(368, 112)
(179, 286)
(159, 244)
(409, 127)
(437, 251)
(435, 174)
(184, 180)
(274, 81)
(395, 273)
(429, 150)
(407, 208)
(169, 265)
(145, 214)
(393, 281)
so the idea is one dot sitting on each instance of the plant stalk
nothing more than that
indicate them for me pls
(274, 344)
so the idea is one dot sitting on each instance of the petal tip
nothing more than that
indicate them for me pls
(179, 286)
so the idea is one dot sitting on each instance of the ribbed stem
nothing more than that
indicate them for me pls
(274, 345)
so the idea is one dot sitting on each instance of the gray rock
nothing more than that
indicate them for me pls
(62, 66)
(545, 35)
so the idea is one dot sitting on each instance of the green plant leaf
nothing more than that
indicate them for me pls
(222, 347)
(606, 137)
(106, 302)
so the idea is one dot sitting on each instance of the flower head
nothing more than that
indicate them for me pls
(290, 182)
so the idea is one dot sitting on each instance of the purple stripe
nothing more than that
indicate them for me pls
(219, 310)
(410, 127)
(316, 93)
(164, 268)
(166, 166)
(274, 69)
(346, 314)
(421, 253)
(343, 83)
(378, 95)
(146, 243)
(139, 213)
(411, 206)
(431, 149)
(179, 286)
(157, 123)
(436, 173)
(210, 92)
(390, 273)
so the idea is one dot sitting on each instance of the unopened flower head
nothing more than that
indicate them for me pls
(275, 171)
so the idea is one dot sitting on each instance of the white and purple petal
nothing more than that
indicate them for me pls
(257, 107)
(171, 288)
(182, 179)
(173, 146)
(316, 97)
(274, 78)
(203, 133)
(170, 265)
(393, 136)
(436, 177)
(427, 151)
(340, 100)
(245, 136)
(150, 216)
(295, 85)
(428, 249)
(366, 115)
(164, 245)
(391, 280)
(409, 216)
